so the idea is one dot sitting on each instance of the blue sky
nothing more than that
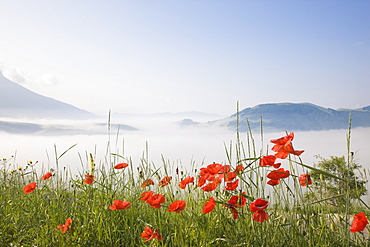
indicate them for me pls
(175, 56)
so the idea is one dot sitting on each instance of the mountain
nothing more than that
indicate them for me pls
(19, 102)
(296, 117)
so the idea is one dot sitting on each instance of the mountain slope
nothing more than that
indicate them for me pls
(19, 102)
(297, 117)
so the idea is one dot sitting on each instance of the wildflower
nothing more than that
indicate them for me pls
(46, 176)
(89, 179)
(118, 204)
(233, 210)
(283, 146)
(359, 222)
(11, 171)
(186, 181)
(305, 179)
(66, 225)
(232, 185)
(120, 166)
(30, 187)
(269, 160)
(273, 182)
(145, 195)
(212, 186)
(149, 234)
(258, 205)
(156, 200)
(278, 174)
(239, 201)
(147, 183)
(260, 216)
(230, 176)
(239, 169)
(209, 206)
(177, 206)
(164, 181)
(20, 168)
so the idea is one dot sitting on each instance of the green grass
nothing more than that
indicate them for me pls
(32, 219)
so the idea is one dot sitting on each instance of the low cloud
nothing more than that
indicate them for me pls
(47, 80)
(15, 75)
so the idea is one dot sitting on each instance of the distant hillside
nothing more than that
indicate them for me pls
(19, 102)
(297, 117)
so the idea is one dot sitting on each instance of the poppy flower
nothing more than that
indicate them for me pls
(359, 222)
(120, 166)
(278, 174)
(164, 181)
(209, 206)
(66, 225)
(145, 195)
(239, 169)
(46, 176)
(147, 183)
(258, 205)
(186, 181)
(30, 187)
(89, 179)
(233, 210)
(149, 234)
(156, 200)
(305, 179)
(212, 186)
(283, 146)
(118, 204)
(273, 182)
(260, 216)
(177, 206)
(232, 185)
(239, 201)
(269, 160)
(230, 176)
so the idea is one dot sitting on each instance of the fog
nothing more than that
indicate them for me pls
(164, 138)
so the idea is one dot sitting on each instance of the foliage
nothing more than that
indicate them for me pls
(351, 186)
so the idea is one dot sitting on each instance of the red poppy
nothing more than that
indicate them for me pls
(273, 182)
(30, 187)
(235, 213)
(260, 216)
(120, 166)
(232, 185)
(229, 176)
(269, 160)
(239, 169)
(258, 205)
(118, 204)
(66, 225)
(46, 176)
(177, 206)
(149, 234)
(209, 206)
(212, 186)
(147, 183)
(305, 179)
(156, 200)
(239, 201)
(278, 174)
(164, 181)
(283, 146)
(186, 181)
(145, 195)
(89, 179)
(359, 222)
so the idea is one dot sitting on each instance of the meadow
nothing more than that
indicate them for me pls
(252, 199)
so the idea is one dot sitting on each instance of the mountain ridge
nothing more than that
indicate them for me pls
(17, 101)
(296, 117)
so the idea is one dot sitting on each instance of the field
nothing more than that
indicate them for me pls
(251, 201)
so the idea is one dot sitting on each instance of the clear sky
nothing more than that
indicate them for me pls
(194, 55)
